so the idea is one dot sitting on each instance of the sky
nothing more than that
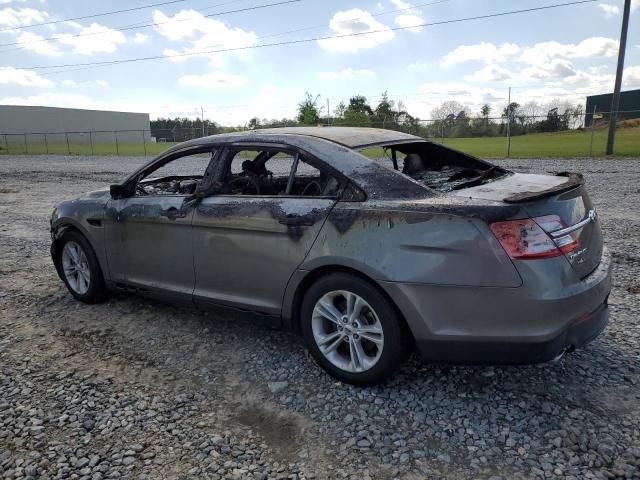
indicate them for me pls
(546, 56)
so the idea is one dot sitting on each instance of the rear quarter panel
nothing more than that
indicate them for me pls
(397, 245)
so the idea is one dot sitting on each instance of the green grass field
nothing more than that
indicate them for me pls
(562, 144)
(125, 149)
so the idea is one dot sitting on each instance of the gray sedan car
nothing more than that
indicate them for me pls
(422, 247)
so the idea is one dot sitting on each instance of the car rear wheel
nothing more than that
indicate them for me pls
(79, 268)
(352, 330)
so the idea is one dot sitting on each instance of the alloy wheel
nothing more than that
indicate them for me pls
(347, 331)
(76, 268)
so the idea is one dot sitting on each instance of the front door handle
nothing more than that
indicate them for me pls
(296, 222)
(174, 213)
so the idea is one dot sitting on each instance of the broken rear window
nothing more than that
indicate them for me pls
(436, 166)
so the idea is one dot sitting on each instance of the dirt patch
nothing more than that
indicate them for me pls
(282, 430)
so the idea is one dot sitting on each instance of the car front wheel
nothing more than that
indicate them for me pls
(79, 268)
(352, 330)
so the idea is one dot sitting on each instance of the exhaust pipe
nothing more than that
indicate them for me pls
(563, 352)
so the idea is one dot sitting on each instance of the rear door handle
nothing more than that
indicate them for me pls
(296, 222)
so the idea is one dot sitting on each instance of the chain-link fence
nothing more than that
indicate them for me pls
(550, 135)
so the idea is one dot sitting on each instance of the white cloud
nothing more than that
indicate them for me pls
(490, 73)
(483, 51)
(95, 38)
(556, 68)
(73, 83)
(25, 78)
(12, 17)
(544, 52)
(635, 4)
(410, 19)
(355, 21)
(631, 77)
(213, 80)
(140, 38)
(347, 74)
(202, 34)
(609, 10)
(35, 43)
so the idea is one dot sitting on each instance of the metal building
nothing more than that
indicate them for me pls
(20, 123)
(629, 106)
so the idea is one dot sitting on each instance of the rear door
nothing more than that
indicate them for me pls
(248, 241)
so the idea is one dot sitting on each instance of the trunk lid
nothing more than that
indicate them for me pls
(564, 196)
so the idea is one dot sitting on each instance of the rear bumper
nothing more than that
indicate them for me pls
(530, 324)
(512, 353)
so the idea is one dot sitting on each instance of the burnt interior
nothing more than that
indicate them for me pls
(439, 167)
(264, 173)
(276, 173)
(174, 185)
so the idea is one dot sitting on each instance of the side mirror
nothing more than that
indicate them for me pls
(118, 191)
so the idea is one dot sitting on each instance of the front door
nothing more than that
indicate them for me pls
(149, 243)
(148, 234)
(249, 241)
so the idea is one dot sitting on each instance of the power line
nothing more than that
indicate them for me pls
(113, 12)
(309, 40)
(134, 27)
(143, 25)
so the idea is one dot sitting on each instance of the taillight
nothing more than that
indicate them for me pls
(553, 223)
(528, 238)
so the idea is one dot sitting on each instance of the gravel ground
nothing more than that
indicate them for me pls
(133, 388)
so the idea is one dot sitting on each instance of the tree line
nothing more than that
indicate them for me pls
(450, 119)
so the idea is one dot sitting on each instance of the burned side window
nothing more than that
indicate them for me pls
(179, 176)
(309, 181)
(276, 173)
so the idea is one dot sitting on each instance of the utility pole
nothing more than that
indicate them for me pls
(202, 118)
(593, 124)
(328, 113)
(509, 124)
(615, 102)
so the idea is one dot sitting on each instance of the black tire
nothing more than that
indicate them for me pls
(96, 291)
(397, 339)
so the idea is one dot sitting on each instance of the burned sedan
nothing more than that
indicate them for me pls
(422, 247)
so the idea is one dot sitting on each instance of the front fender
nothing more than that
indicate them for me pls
(86, 215)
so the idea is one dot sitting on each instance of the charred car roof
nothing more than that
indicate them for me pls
(350, 137)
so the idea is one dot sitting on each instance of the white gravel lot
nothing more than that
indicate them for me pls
(133, 388)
